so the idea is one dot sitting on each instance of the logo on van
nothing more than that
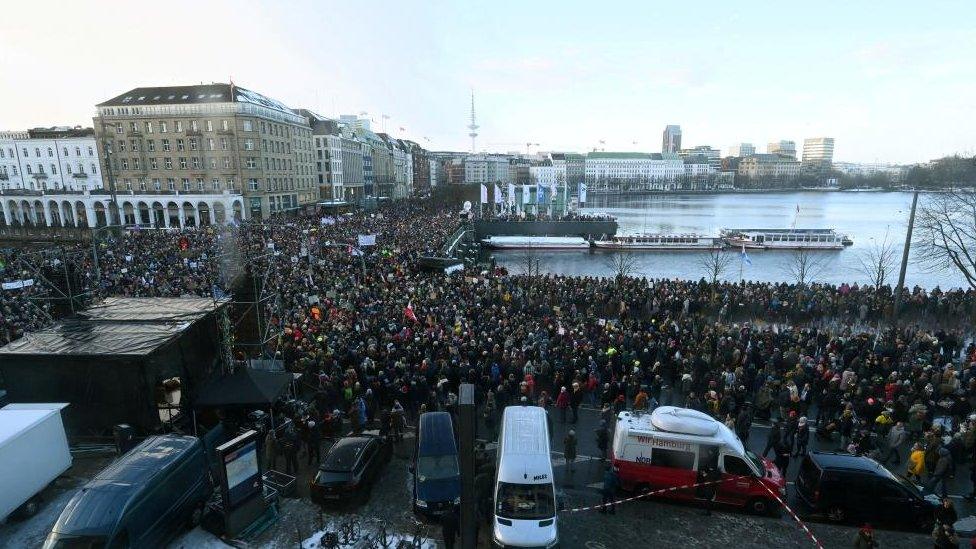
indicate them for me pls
(656, 442)
(540, 477)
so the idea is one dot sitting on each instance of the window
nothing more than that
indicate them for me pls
(65, 150)
(94, 168)
(118, 128)
(193, 125)
(162, 127)
(252, 184)
(210, 144)
(121, 145)
(182, 163)
(186, 184)
(29, 170)
(149, 127)
(250, 163)
(171, 184)
(213, 163)
(135, 163)
(226, 162)
(230, 184)
(223, 143)
(153, 164)
(525, 501)
(165, 145)
(54, 169)
(133, 127)
(193, 144)
(248, 126)
(178, 125)
(248, 144)
(168, 163)
(24, 149)
(200, 185)
(134, 145)
(125, 164)
(675, 459)
(736, 466)
(223, 125)
(151, 146)
(179, 145)
(209, 125)
(91, 151)
(215, 184)
(127, 183)
(195, 162)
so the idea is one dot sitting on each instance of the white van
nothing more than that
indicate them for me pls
(525, 491)
(667, 448)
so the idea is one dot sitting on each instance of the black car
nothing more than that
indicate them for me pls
(844, 487)
(350, 468)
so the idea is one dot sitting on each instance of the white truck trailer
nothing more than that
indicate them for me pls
(33, 452)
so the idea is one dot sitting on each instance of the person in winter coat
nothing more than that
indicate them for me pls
(602, 439)
(743, 423)
(865, 538)
(569, 449)
(942, 469)
(774, 435)
(896, 437)
(802, 437)
(609, 490)
(916, 462)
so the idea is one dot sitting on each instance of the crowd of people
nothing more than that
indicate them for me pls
(375, 335)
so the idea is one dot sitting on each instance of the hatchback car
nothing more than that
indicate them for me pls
(350, 468)
(844, 487)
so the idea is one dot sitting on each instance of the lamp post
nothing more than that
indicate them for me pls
(111, 176)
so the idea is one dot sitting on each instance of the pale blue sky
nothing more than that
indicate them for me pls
(890, 80)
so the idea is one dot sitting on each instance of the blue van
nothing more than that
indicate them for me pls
(143, 499)
(436, 474)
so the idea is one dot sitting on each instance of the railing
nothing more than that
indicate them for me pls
(44, 233)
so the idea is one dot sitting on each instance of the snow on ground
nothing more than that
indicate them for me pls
(198, 538)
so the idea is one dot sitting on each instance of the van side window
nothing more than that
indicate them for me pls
(675, 459)
(736, 466)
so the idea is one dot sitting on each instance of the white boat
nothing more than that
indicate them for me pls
(536, 242)
(661, 242)
(786, 239)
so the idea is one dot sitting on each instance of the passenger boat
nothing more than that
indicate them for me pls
(786, 239)
(536, 243)
(661, 242)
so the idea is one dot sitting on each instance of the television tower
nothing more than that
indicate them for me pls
(473, 127)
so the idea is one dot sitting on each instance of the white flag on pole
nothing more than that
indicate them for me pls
(511, 193)
(582, 192)
(526, 194)
(498, 195)
(484, 194)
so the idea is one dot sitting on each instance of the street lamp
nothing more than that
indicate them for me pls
(111, 175)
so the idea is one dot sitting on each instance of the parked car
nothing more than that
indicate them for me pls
(143, 499)
(844, 487)
(436, 474)
(350, 468)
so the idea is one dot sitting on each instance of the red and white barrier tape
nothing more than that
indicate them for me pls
(813, 538)
(655, 492)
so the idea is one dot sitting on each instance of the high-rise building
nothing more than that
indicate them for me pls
(782, 148)
(672, 139)
(818, 152)
(213, 138)
(742, 149)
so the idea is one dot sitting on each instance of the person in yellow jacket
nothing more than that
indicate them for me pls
(916, 463)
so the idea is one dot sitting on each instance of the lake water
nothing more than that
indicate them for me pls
(866, 217)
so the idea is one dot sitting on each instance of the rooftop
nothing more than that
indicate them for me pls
(199, 93)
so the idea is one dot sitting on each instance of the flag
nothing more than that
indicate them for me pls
(582, 192)
(218, 293)
(526, 195)
(745, 256)
(540, 193)
(366, 240)
(408, 312)
(354, 251)
(511, 193)
(498, 195)
(484, 194)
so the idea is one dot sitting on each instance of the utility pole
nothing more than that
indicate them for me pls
(904, 261)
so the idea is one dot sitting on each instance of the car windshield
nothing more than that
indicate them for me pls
(341, 457)
(757, 464)
(525, 501)
(437, 467)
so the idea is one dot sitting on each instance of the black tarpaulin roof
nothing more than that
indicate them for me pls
(84, 337)
(245, 387)
(151, 309)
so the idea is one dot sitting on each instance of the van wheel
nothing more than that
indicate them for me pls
(836, 514)
(759, 506)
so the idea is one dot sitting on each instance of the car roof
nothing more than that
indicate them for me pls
(436, 434)
(837, 461)
(345, 453)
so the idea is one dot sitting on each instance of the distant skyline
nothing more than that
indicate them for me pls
(889, 81)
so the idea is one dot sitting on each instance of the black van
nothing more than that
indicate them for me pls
(843, 487)
(143, 499)
(436, 475)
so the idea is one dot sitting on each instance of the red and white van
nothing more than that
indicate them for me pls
(667, 447)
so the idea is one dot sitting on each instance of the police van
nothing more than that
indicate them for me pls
(525, 492)
(667, 448)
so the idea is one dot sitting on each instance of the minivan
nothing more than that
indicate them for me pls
(143, 499)
(436, 474)
(844, 487)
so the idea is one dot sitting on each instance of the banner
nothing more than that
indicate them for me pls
(582, 192)
(498, 195)
(18, 284)
(511, 194)
(367, 240)
(540, 194)
(484, 194)
(526, 195)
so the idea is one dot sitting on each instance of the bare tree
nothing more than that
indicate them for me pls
(803, 266)
(529, 263)
(877, 262)
(947, 233)
(714, 263)
(622, 265)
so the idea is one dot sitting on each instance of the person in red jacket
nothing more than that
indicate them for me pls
(562, 403)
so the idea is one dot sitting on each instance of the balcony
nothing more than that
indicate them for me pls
(80, 175)
(41, 175)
